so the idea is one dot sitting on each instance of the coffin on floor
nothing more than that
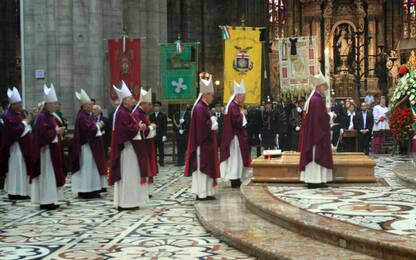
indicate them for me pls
(348, 167)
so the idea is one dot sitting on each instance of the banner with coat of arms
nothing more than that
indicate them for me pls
(124, 61)
(242, 60)
(297, 62)
(178, 66)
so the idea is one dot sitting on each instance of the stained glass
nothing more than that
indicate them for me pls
(409, 18)
(277, 17)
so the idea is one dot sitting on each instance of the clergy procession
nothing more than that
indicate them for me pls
(34, 158)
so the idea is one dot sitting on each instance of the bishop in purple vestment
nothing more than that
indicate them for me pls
(89, 167)
(235, 152)
(16, 149)
(48, 175)
(316, 162)
(202, 154)
(125, 173)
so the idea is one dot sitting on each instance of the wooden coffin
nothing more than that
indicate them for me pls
(348, 167)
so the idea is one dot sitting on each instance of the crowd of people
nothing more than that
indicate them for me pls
(133, 136)
(276, 125)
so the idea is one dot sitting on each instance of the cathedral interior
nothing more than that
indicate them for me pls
(359, 44)
(365, 41)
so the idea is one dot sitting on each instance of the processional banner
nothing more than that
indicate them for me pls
(242, 60)
(124, 60)
(178, 68)
(297, 63)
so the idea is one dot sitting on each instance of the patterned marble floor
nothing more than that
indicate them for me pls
(93, 229)
(391, 208)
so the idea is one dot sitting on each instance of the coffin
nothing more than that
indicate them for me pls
(348, 167)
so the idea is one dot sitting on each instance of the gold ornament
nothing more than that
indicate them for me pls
(411, 63)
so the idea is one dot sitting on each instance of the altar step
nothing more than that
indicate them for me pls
(259, 201)
(230, 221)
(406, 174)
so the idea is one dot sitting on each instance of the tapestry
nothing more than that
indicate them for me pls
(124, 61)
(298, 62)
(178, 68)
(242, 60)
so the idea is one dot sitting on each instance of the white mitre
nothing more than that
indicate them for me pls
(146, 96)
(123, 92)
(83, 97)
(238, 89)
(49, 94)
(206, 85)
(13, 95)
(318, 79)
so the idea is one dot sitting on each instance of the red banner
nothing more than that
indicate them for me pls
(124, 65)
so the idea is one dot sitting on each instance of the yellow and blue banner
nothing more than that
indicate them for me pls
(242, 60)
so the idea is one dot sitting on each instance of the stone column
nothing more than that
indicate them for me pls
(372, 48)
(64, 77)
(148, 19)
(112, 28)
(88, 41)
(8, 54)
(35, 48)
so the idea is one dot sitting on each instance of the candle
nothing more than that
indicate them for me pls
(328, 95)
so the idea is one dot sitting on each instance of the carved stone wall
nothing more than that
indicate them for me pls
(379, 19)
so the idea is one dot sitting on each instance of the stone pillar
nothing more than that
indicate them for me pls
(148, 19)
(35, 56)
(8, 54)
(88, 41)
(63, 78)
(372, 48)
(113, 26)
(66, 38)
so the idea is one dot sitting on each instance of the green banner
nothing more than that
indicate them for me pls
(178, 71)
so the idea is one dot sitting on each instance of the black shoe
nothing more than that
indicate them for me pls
(312, 185)
(89, 195)
(162, 164)
(123, 209)
(17, 197)
(103, 190)
(235, 184)
(150, 196)
(49, 206)
(206, 198)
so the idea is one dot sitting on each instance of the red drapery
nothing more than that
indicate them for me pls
(124, 64)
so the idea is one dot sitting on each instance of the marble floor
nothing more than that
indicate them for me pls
(93, 229)
(390, 206)
(168, 228)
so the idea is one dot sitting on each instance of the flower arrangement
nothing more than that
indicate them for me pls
(403, 108)
(401, 122)
(406, 87)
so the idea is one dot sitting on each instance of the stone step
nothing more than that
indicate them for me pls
(229, 220)
(368, 241)
(406, 174)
